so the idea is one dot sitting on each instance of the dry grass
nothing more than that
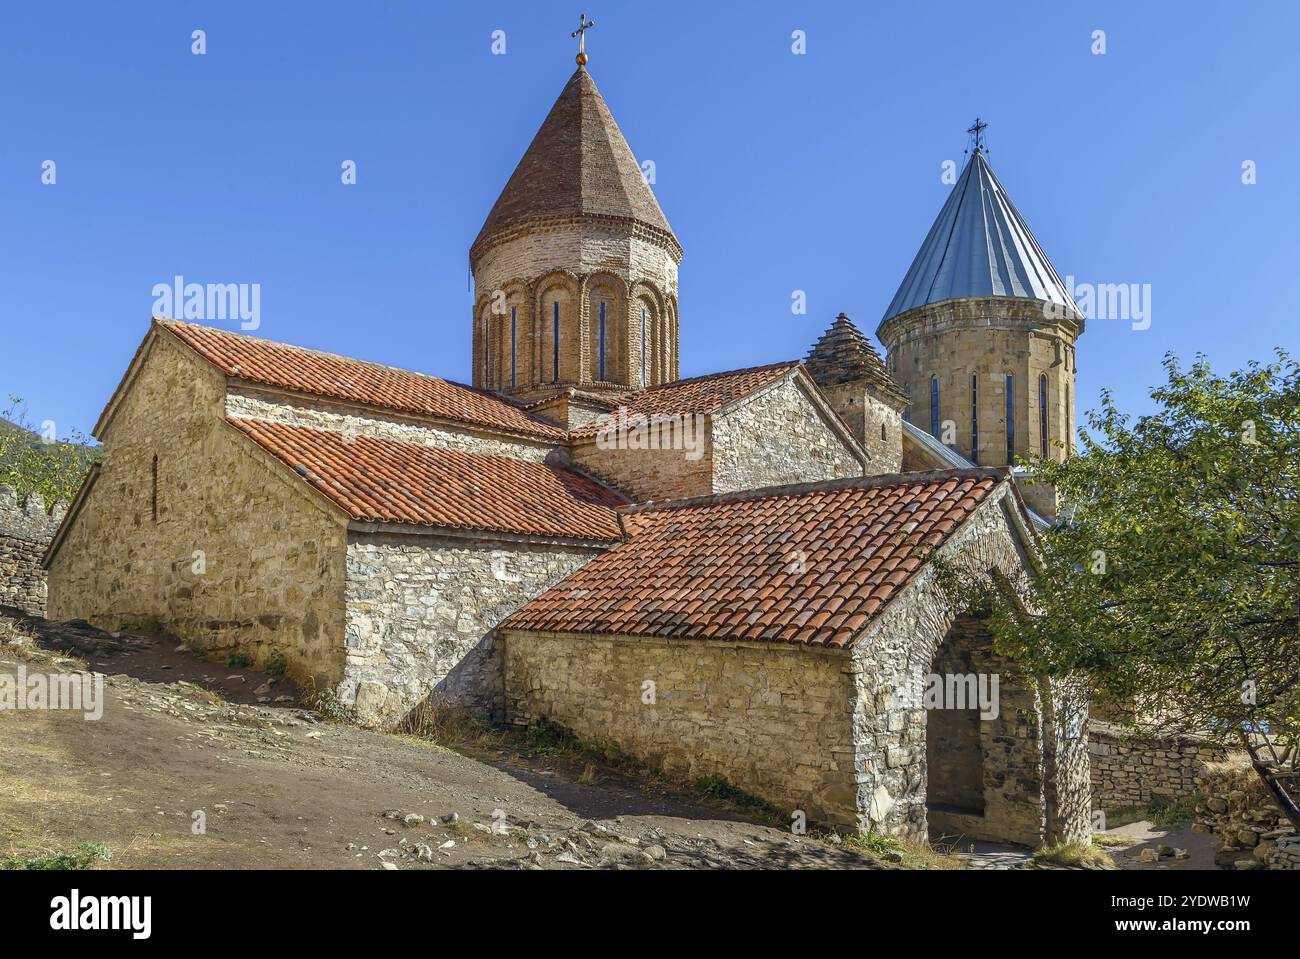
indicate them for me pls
(1074, 855)
(914, 855)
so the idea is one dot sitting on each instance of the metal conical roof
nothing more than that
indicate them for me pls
(979, 245)
(578, 164)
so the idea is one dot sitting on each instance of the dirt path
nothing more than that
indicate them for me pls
(278, 788)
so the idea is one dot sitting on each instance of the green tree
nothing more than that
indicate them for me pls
(1172, 580)
(34, 463)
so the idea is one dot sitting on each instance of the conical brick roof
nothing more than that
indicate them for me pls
(578, 164)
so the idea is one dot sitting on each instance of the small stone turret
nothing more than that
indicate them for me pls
(851, 374)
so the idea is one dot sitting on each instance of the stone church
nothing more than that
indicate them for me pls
(726, 575)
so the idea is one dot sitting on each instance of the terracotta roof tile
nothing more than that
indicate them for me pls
(376, 480)
(699, 394)
(335, 377)
(807, 564)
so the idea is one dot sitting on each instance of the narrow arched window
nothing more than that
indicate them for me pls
(555, 342)
(1011, 419)
(514, 319)
(907, 405)
(153, 491)
(1042, 412)
(882, 432)
(601, 348)
(643, 325)
(1069, 421)
(975, 418)
(934, 406)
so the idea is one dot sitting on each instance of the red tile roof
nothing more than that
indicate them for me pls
(355, 381)
(809, 564)
(384, 481)
(699, 394)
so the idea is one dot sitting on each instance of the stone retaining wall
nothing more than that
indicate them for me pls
(1241, 813)
(25, 531)
(1129, 769)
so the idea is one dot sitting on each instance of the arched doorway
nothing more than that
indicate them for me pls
(983, 747)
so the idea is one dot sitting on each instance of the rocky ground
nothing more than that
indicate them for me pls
(195, 764)
(199, 765)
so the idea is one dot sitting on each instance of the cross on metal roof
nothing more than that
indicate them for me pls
(976, 130)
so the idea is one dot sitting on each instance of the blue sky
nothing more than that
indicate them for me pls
(778, 172)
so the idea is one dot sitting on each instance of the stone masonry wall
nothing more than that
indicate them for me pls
(1130, 769)
(647, 475)
(227, 551)
(524, 266)
(776, 437)
(421, 612)
(890, 733)
(877, 425)
(986, 338)
(298, 411)
(25, 531)
(773, 720)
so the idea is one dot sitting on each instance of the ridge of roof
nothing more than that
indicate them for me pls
(919, 478)
(311, 372)
(703, 395)
(720, 374)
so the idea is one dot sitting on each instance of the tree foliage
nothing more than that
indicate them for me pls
(1172, 580)
(32, 462)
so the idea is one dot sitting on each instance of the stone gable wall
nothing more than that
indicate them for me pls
(272, 553)
(299, 411)
(421, 617)
(777, 437)
(647, 475)
(772, 720)
(25, 531)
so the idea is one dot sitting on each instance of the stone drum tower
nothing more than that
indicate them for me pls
(981, 333)
(575, 269)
